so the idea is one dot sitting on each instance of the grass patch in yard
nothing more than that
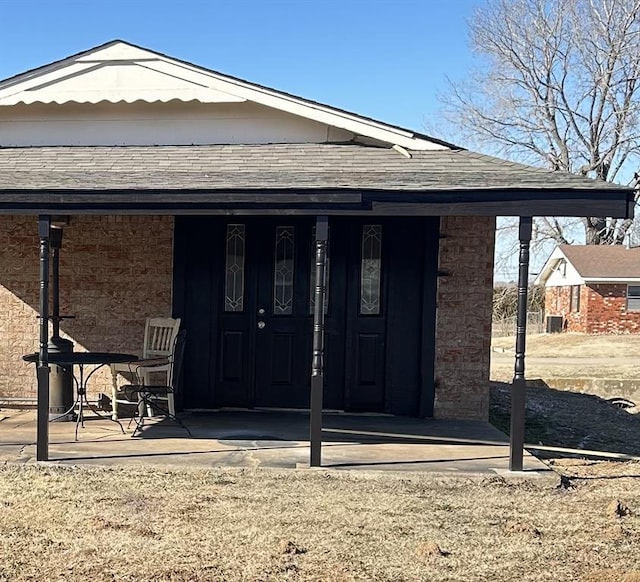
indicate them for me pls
(568, 419)
(570, 355)
(575, 345)
(148, 524)
(502, 369)
(537, 427)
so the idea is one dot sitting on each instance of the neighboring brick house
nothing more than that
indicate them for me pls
(593, 288)
(195, 194)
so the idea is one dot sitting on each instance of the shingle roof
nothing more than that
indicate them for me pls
(272, 166)
(603, 261)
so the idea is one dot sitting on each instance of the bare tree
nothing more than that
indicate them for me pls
(558, 85)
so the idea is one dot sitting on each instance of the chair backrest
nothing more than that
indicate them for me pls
(177, 359)
(159, 336)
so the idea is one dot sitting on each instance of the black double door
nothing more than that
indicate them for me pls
(245, 290)
(265, 319)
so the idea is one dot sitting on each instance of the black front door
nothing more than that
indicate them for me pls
(245, 291)
(265, 321)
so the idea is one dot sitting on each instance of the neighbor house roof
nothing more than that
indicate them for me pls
(603, 261)
(595, 263)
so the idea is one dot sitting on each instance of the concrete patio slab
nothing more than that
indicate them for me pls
(270, 439)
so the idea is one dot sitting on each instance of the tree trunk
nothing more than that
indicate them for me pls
(603, 231)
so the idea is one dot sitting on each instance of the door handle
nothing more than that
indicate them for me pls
(261, 325)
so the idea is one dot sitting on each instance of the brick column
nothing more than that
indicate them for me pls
(463, 327)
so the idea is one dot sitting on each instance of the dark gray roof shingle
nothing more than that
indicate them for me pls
(271, 166)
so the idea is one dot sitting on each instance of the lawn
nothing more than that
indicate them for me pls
(145, 524)
(560, 418)
(575, 345)
(565, 418)
(570, 355)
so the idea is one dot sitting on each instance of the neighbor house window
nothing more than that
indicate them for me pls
(633, 297)
(562, 267)
(575, 298)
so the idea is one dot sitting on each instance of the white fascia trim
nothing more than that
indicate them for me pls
(45, 77)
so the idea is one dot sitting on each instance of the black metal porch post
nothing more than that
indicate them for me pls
(42, 440)
(55, 242)
(519, 385)
(317, 365)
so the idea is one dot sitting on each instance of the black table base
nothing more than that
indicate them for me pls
(81, 401)
(82, 359)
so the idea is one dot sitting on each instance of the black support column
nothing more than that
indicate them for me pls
(317, 365)
(42, 441)
(519, 385)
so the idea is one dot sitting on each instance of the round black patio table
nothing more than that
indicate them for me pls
(82, 359)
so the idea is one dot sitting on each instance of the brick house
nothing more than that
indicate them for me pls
(182, 191)
(593, 288)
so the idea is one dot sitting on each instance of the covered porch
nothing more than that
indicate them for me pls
(458, 193)
(270, 439)
(170, 171)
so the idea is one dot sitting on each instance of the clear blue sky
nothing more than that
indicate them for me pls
(384, 59)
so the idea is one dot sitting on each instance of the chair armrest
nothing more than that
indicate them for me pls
(145, 368)
(122, 367)
(138, 368)
(151, 363)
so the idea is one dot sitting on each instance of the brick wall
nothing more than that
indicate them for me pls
(557, 301)
(463, 328)
(608, 310)
(115, 271)
(603, 309)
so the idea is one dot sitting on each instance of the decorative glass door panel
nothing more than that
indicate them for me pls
(371, 269)
(284, 270)
(234, 268)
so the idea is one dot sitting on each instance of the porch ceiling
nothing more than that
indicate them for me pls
(304, 178)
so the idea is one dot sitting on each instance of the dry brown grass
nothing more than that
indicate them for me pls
(568, 419)
(576, 345)
(546, 368)
(145, 524)
(570, 355)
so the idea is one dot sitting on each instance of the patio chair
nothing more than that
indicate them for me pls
(159, 338)
(153, 399)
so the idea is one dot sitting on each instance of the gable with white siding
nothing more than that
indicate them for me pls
(120, 94)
